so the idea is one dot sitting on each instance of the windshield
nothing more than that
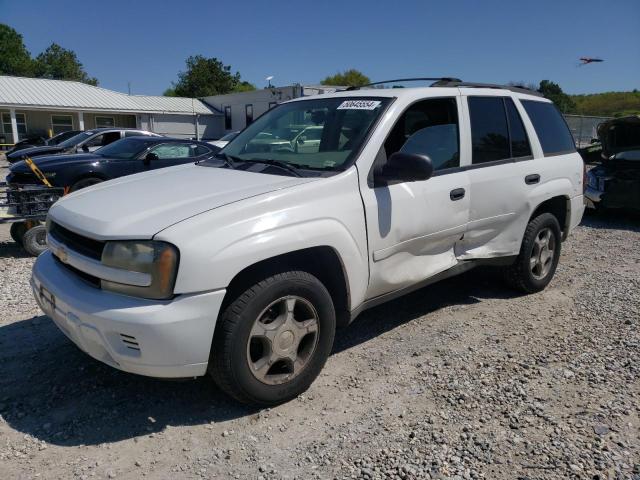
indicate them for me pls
(61, 137)
(126, 148)
(321, 134)
(75, 140)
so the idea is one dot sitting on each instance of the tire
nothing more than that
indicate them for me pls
(242, 357)
(35, 240)
(84, 183)
(523, 275)
(17, 231)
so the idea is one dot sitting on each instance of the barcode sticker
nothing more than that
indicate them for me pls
(359, 105)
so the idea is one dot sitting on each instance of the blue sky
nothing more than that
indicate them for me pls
(146, 42)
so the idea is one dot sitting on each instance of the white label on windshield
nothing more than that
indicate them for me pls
(359, 105)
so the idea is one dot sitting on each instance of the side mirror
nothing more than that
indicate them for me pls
(405, 167)
(150, 157)
(85, 148)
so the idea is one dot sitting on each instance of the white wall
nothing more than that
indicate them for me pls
(260, 100)
(210, 127)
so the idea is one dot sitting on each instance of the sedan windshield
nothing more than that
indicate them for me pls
(127, 148)
(316, 134)
(75, 140)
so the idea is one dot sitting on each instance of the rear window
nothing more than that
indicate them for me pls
(552, 130)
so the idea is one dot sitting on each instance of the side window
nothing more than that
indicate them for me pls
(489, 130)
(134, 133)
(519, 141)
(172, 150)
(197, 150)
(428, 128)
(553, 133)
(227, 118)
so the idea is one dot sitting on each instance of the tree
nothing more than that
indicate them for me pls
(170, 92)
(59, 63)
(553, 92)
(205, 77)
(244, 87)
(14, 56)
(348, 78)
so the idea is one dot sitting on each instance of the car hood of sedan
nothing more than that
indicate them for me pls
(139, 206)
(50, 163)
(28, 152)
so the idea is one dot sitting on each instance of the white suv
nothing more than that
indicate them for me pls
(243, 266)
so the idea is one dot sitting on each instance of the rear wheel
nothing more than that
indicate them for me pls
(272, 341)
(84, 183)
(539, 254)
(35, 240)
(17, 231)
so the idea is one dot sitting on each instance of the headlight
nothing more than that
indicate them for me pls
(157, 259)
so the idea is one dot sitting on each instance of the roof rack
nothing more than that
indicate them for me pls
(429, 79)
(460, 83)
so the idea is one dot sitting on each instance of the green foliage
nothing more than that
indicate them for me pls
(348, 78)
(170, 92)
(244, 87)
(608, 104)
(59, 63)
(207, 76)
(553, 92)
(14, 56)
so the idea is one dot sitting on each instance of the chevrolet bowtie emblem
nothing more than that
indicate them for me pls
(61, 253)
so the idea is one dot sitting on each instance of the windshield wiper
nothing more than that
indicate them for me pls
(276, 163)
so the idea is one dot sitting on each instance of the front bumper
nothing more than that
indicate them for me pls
(168, 339)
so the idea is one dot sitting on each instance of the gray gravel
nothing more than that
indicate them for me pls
(461, 380)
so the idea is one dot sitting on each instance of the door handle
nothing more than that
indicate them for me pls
(456, 194)
(532, 179)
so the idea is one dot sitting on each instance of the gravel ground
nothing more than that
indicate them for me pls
(463, 379)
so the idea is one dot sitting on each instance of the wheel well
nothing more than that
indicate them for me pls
(88, 175)
(558, 207)
(321, 262)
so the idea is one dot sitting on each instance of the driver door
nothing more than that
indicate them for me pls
(414, 227)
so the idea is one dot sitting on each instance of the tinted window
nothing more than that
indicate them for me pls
(428, 128)
(489, 130)
(126, 148)
(227, 118)
(519, 140)
(200, 150)
(133, 133)
(552, 130)
(172, 150)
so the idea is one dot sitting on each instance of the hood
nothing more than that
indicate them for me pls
(34, 151)
(139, 206)
(53, 162)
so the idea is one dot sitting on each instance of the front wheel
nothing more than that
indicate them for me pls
(539, 254)
(272, 341)
(35, 240)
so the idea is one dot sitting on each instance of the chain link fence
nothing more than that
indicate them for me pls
(584, 128)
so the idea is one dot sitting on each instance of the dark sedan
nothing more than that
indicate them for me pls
(87, 141)
(615, 183)
(41, 141)
(123, 157)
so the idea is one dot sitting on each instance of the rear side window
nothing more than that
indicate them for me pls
(519, 141)
(552, 130)
(489, 130)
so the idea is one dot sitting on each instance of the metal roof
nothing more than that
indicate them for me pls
(44, 93)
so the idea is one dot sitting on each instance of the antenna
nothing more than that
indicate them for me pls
(268, 79)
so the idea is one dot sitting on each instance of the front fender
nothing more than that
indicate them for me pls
(216, 245)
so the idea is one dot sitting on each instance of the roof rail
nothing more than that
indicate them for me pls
(459, 83)
(429, 79)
